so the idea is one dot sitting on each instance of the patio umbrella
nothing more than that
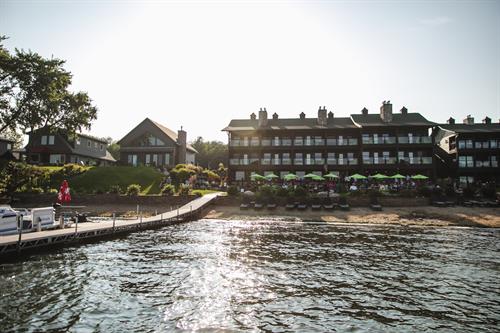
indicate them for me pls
(331, 175)
(271, 176)
(290, 176)
(419, 177)
(398, 176)
(318, 178)
(357, 176)
(256, 176)
(379, 176)
(310, 175)
(64, 195)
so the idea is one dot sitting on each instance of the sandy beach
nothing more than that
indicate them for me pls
(418, 216)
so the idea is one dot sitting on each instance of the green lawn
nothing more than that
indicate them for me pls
(102, 178)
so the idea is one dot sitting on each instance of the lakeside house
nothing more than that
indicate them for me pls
(56, 147)
(6, 146)
(469, 151)
(363, 143)
(150, 143)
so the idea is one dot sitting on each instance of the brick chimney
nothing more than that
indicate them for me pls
(275, 116)
(386, 111)
(330, 115)
(181, 149)
(364, 112)
(262, 117)
(322, 116)
(469, 120)
(451, 121)
(487, 120)
(302, 115)
(253, 116)
(404, 111)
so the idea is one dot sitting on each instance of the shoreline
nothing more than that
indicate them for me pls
(404, 216)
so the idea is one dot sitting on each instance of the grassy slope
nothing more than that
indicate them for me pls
(105, 177)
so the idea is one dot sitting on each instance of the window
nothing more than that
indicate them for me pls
(101, 147)
(375, 158)
(276, 141)
(95, 145)
(308, 159)
(239, 175)
(148, 159)
(375, 138)
(318, 158)
(494, 161)
(51, 139)
(78, 141)
(462, 162)
(341, 140)
(331, 141)
(44, 140)
(331, 159)
(299, 160)
(167, 159)
(308, 140)
(493, 144)
(132, 159)
(9, 146)
(470, 161)
(468, 144)
(298, 141)
(155, 159)
(56, 159)
(341, 159)
(254, 142)
(266, 142)
(89, 144)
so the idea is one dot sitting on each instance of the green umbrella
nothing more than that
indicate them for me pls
(331, 175)
(318, 178)
(271, 176)
(379, 176)
(310, 175)
(256, 176)
(290, 176)
(419, 177)
(398, 176)
(357, 176)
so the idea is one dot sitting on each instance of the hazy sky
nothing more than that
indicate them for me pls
(199, 64)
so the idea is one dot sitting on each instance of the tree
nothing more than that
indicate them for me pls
(34, 94)
(210, 153)
(14, 136)
(113, 148)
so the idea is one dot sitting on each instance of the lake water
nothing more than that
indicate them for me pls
(261, 276)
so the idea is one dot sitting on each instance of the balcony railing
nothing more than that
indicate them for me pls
(352, 142)
(414, 139)
(286, 142)
(352, 161)
(379, 141)
(286, 161)
(265, 142)
(298, 161)
(331, 161)
(265, 161)
(276, 161)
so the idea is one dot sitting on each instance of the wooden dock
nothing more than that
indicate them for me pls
(13, 244)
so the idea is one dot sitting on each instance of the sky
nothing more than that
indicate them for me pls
(199, 64)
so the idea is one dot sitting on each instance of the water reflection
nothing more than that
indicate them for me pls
(269, 276)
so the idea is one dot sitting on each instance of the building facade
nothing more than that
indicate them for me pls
(363, 143)
(6, 146)
(55, 147)
(469, 151)
(151, 143)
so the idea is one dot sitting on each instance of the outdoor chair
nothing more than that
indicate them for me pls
(258, 206)
(290, 206)
(375, 205)
(302, 206)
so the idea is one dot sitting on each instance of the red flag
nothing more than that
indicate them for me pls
(64, 195)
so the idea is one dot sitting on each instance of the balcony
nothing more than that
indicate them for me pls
(286, 142)
(276, 161)
(298, 161)
(331, 161)
(352, 161)
(234, 161)
(319, 142)
(286, 161)
(298, 142)
(319, 161)
(234, 143)
(415, 140)
(265, 142)
(254, 142)
(352, 142)
(265, 161)
(388, 140)
(331, 142)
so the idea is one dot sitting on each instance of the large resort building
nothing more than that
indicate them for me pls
(363, 143)
(469, 151)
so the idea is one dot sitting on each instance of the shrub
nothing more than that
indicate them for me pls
(133, 189)
(489, 192)
(99, 191)
(36, 190)
(115, 189)
(282, 192)
(424, 191)
(168, 189)
(232, 191)
(55, 191)
(183, 189)
(300, 192)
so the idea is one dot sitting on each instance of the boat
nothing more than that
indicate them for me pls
(8, 219)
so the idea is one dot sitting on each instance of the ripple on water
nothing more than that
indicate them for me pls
(271, 276)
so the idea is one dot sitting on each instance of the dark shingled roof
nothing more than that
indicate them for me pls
(472, 128)
(409, 119)
(172, 135)
(289, 124)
